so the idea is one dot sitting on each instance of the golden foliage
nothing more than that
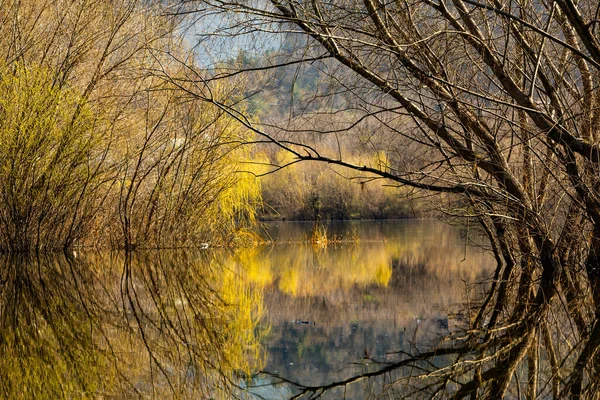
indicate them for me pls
(100, 143)
(323, 271)
(308, 191)
(47, 143)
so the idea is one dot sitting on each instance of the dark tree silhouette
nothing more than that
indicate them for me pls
(495, 101)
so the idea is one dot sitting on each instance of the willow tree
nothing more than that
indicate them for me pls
(494, 101)
(95, 150)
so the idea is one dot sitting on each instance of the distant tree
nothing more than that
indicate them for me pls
(496, 101)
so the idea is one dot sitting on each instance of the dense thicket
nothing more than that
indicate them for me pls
(313, 191)
(96, 148)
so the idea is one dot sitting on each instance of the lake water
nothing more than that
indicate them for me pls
(389, 287)
(198, 324)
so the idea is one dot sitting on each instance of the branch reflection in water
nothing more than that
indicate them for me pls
(186, 324)
(398, 289)
(498, 343)
(166, 324)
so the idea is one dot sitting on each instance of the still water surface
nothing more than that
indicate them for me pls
(197, 324)
(335, 311)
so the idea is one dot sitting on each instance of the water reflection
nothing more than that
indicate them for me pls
(153, 325)
(175, 324)
(429, 330)
(333, 311)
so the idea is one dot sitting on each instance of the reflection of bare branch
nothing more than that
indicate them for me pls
(66, 326)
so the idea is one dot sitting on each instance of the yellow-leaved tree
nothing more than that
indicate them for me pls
(49, 158)
(98, 148)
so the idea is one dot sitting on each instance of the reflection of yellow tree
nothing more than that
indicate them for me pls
(48, 347)
(176, 326)
(255, 265)
(432, 249)
(317, 272)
